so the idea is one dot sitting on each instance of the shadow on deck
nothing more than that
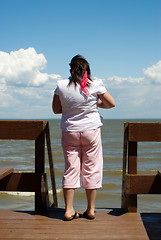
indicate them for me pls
(109, 224)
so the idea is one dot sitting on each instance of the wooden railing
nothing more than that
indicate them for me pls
(133, 183)
(30, 181)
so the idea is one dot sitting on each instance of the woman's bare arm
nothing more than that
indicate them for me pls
(106, 101)
(56, 105)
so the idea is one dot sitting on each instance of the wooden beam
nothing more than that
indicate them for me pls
(134, 184)
(131, 200)
(144, 132)
(143, 184)
(51, 164)
(44, 193)
(29, 182)
(25, 182)
(24, 130)
(124, 164)
(5, 172)
(130, 204)
(132, 157)
(39, 168)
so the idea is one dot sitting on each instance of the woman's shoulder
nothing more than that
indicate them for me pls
(63, 82)
(96, 82)
(97, 86)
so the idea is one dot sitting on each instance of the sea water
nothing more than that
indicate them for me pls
(19, 154)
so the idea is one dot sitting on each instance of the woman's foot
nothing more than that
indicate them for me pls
(89, 215)
(68, 217)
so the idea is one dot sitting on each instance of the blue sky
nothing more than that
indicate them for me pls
(120, 39)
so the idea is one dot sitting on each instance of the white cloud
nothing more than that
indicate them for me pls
(23, 68)
(7, 100)
(26, 92)
(120, 81)
(23, 87)
(136, 97)
(2, 84)
(153, 73)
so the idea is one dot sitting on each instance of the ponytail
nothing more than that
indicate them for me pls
(78, 67)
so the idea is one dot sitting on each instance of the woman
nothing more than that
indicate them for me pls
(78, 99)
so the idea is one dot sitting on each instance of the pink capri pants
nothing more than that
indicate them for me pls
(82, 154)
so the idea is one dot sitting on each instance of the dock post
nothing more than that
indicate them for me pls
(133, 183)
(39, 168)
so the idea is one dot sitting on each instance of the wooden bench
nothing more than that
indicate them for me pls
(5, 172)
(30, 181)
(133, 183)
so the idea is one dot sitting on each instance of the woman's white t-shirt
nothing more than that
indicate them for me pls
(79, 112)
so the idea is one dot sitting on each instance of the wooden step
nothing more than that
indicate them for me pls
(5, 172)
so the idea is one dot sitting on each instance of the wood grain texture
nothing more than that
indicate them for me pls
(17, 225)
(22, 129)
(143, 184)
(144, 132)
(132, 183)
(29, 182)
(5, 172)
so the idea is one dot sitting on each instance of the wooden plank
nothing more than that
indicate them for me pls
(51, 164)
(144, 132)
(40, 153)
(143, 184)
(39, 168)
(25, 182)
(139, 184)
(124, 165)
(27, 130)
(44, 193)
(132, 157)
(17, 225)
(28, 182)
(131, 200)
(5, 172)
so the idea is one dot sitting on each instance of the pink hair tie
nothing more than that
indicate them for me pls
(84, 83)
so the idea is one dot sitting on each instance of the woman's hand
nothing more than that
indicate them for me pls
(106, 101)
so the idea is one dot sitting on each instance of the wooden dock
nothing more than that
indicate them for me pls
(110, 224)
